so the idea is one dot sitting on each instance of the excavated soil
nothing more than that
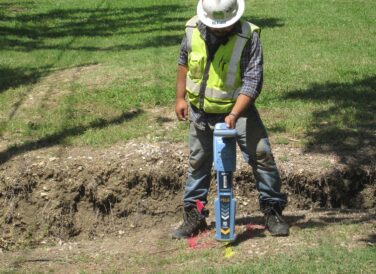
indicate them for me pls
(82, 193)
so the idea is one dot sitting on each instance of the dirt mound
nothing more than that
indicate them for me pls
(59, 193)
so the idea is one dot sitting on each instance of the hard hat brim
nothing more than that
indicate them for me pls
(219, 23)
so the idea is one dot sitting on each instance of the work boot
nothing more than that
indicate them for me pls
(194, 223)
(274, 221)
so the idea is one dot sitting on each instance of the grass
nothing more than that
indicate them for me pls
(324, 250)
(334, 247)
(85, 64)
(319, 250)
(312, 250)
(71, 71)
(316, 260)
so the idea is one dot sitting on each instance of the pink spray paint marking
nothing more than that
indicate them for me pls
(202, 240)
(255, 227)
(200, 206)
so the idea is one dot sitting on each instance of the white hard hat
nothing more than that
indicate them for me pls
(220, 13)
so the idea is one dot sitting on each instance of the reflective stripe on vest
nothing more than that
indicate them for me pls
(212, 92)
(236, 55)
(189, 27)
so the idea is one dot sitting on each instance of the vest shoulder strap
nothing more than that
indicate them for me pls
(192, 23)
(247, 30)
(189, 27)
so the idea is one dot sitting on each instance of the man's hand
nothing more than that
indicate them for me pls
(181, 109)
(242, 102)
(230, 120)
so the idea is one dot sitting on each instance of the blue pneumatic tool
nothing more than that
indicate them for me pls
(224, 165)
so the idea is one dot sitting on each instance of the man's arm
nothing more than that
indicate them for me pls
(243, 102)
(181, 106)
(252, 76)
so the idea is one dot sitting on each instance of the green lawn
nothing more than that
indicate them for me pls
(71, 71)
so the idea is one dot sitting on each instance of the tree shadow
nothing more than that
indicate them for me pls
(14, 77)
(348, 126)
(264, 23)
(26, 31)
(58, 137)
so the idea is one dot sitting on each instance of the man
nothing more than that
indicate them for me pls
(220, 71)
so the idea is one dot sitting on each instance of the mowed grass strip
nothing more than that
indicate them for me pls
(70, 71)
(338, 248)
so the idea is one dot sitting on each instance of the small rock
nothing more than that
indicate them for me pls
(44, 195)
(121, 232)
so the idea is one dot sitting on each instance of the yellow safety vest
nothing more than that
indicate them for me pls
(224, 82)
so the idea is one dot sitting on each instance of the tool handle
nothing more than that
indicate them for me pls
(221, 130)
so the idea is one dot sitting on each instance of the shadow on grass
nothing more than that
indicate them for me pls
(347, 126)
(58, 137)
(26, 31)
(266, 22)
(141, 27)
(14, 77)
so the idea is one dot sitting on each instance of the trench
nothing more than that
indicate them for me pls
(40, 203)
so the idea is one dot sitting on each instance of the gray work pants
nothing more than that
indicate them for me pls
(255, 147)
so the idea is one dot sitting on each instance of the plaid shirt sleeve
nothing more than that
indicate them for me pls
(251, 67)
(183, 56)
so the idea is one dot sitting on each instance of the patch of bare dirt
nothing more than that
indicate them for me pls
(82, 193)
(145, 251)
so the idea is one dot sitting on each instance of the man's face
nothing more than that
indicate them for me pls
(222, 31)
